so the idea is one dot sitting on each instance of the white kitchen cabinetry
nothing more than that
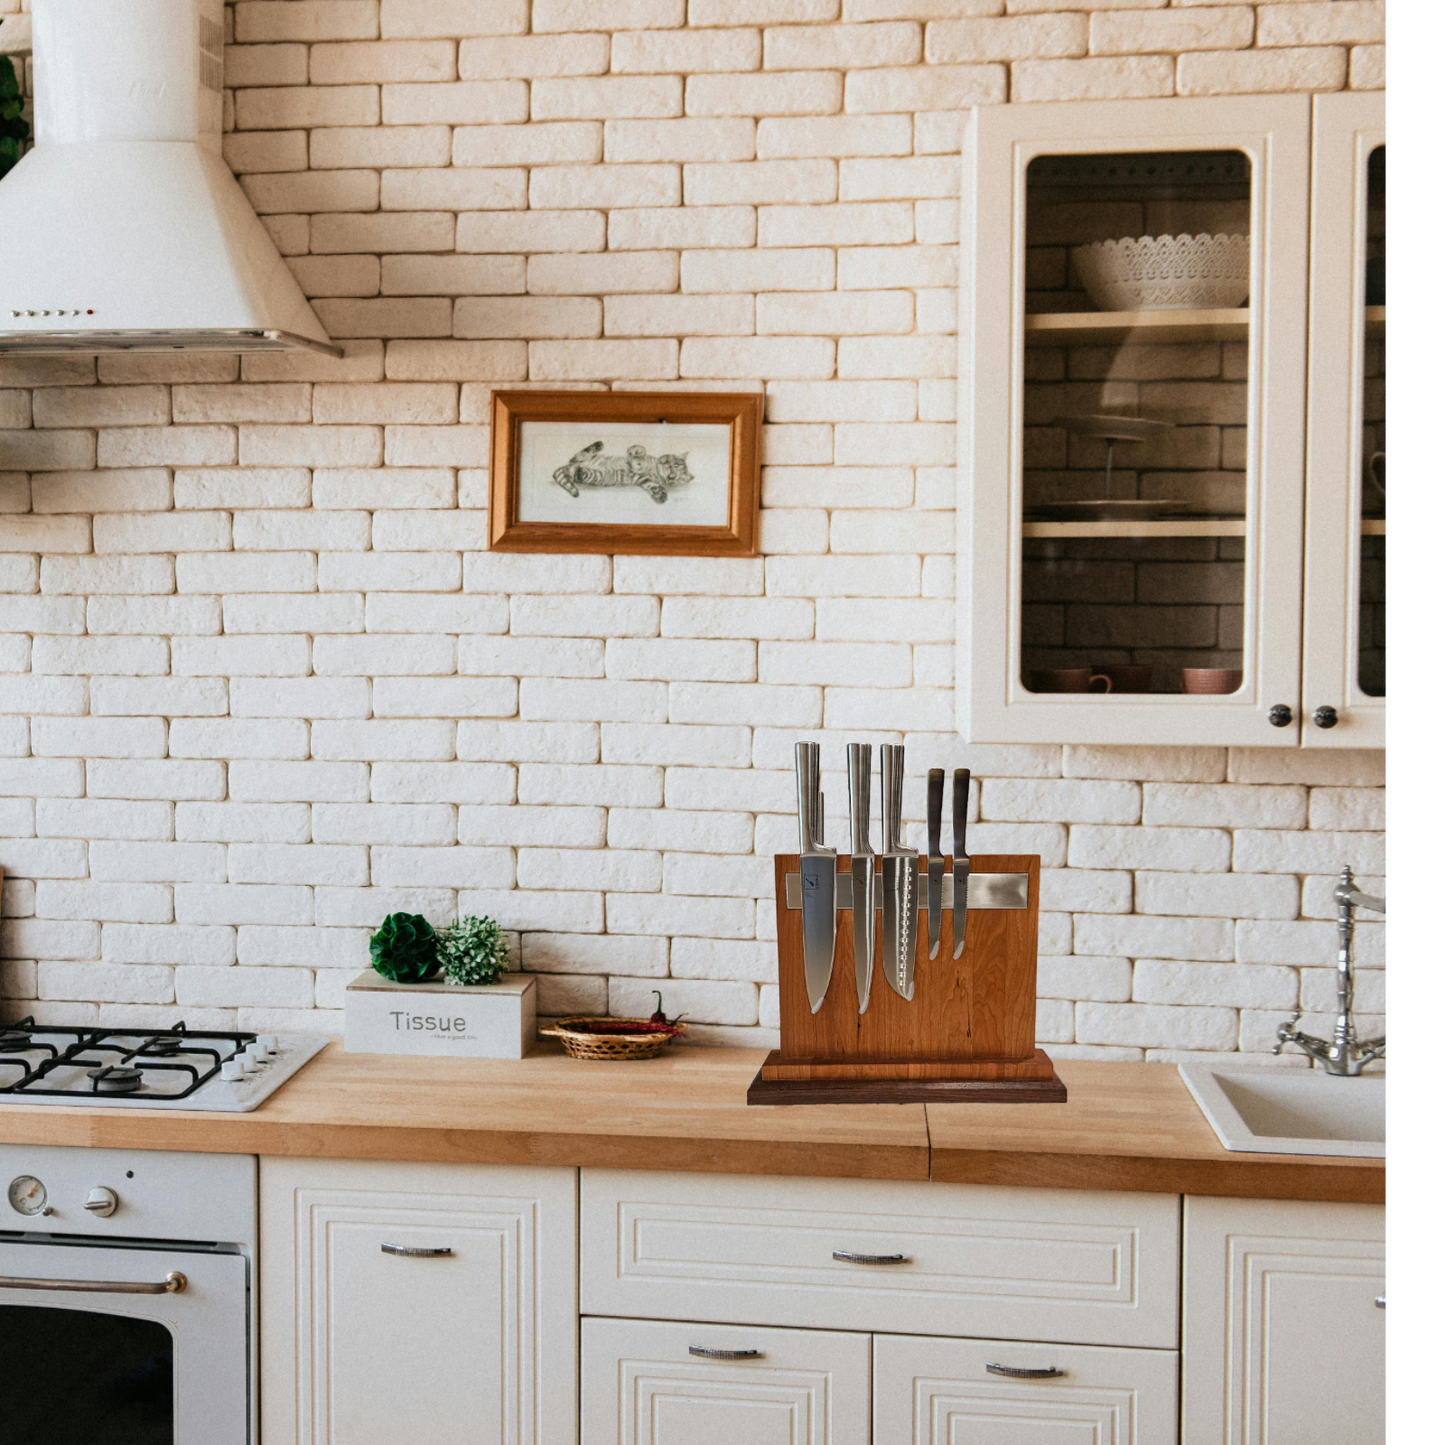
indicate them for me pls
(1283, 1341)
(1344, 638)
(363, 1343)
(656, 1383)
(1128, 556)
(954, 1259)
(998, 1392)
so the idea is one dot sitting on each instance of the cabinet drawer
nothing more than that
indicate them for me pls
(1058, 1264)
(643, 1384)
(943, 1391)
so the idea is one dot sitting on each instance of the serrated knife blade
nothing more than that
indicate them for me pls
(819, 869)
(865, 878)
(900, 889)
(935, 859)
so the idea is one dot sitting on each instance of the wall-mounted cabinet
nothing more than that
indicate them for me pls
(1138, 310)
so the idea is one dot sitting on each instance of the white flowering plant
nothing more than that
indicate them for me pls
(472, 950)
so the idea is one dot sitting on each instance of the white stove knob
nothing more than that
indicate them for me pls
(102, 1202)
(233, 1071)
(247, 1063)
(268, 1042)
(257, 1051)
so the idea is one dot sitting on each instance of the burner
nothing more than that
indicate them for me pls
(113, 1079)
(162, 1048)
(14, 1041)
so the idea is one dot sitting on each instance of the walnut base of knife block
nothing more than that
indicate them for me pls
(967, 1035)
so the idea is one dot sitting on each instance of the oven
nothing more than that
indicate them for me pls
(126, 1297)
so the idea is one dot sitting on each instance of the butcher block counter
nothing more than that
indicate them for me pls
(1125, 1127)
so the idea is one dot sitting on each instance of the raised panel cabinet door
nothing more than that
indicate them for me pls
(1283, 1341)
(417, 1302)
(1000, 1392)
(908, 1257)
(646, 1382)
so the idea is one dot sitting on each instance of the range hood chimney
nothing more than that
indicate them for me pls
(123, 229)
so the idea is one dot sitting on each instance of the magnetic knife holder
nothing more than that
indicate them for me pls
(967, 1035)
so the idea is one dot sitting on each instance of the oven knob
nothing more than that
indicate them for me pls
(268, 1042)
(257, 1052)
(247, 1063)
(102, 1202)
(233, 1071)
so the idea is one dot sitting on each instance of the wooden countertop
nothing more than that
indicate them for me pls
(1126, 1126)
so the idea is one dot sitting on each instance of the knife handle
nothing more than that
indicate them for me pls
(806, 756)
(860, 788)
(935, 811)
(960, 812)
(892, 770)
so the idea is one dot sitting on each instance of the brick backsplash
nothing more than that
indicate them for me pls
(261, 683)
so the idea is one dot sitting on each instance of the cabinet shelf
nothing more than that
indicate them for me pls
(1185, 527)
(1066, 328)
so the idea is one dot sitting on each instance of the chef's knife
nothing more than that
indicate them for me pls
(900, 871)
(960, 858)
(935, 859)
(819, 869)
(865, 880)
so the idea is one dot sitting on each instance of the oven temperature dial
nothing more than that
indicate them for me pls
(27, 1195)
(102, 1202)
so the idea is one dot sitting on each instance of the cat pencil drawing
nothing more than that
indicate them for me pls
(656, 475)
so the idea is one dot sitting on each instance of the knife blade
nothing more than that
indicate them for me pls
(961, 862)
(935, 859)
(819, 869)
(900, 891)
(865, 880)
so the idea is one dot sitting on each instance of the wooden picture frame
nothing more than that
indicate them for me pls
(540, 472)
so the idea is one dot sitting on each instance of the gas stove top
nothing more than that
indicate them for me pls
(174, 1068)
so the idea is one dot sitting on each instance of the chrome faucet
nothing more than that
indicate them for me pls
(1344, 1054)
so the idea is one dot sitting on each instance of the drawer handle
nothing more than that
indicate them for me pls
(848, 1257)
(410, 1251)
(1380, 1302)
(1014, 1372)
(708, 1354)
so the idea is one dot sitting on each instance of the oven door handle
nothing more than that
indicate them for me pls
(173, 1283)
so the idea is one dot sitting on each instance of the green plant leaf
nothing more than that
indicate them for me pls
(404, 948)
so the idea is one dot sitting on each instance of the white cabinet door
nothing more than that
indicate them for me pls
(1345, 536)
(365, 1344)
(960, 1392)
(651, 1383)
(1283, 1342)
(954, 1259)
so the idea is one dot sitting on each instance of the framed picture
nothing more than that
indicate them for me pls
(670, 473)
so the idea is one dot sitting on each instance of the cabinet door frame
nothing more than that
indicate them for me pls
(1347, 127)
(1232, 1248)
(999, 141)
(545, 1203)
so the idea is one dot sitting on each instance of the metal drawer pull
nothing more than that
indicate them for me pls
(848, 1257)
(724, 1354)
(1013, 1372)
(173, 1283)
(413, 1252)
(1380, 1302)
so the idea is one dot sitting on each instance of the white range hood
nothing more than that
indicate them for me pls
(124, 229)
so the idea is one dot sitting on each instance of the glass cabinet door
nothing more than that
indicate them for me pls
(1132, 416)
(1344, 632)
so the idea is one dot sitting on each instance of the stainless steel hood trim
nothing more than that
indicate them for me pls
(99, 343)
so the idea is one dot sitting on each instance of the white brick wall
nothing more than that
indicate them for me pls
(260, 682)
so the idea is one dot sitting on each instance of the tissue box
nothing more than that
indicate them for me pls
(480, 1021)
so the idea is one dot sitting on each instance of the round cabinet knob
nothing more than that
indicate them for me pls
(1280, 715)
(102, 1202)
(1326, 717)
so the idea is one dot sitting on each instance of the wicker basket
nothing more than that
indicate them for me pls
(583, 1045)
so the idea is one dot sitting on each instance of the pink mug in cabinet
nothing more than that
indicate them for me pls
(1212, 680)
(1068, 679)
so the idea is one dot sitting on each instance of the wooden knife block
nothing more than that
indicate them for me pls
(966, 1036)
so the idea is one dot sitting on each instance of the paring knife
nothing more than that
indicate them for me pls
(819, 868)
(960, 858)
(865, 880)
(935, 859)
(900, 872)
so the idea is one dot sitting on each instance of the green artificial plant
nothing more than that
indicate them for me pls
(13, 130)
(473, 950)
(404, 948)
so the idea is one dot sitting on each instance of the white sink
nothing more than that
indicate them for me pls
(1291, 1111)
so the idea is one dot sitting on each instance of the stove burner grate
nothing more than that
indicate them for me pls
(135, 1053)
